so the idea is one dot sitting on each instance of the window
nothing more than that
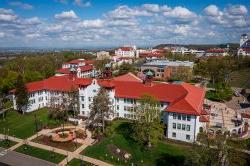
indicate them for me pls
(117, 100)
(178, 126)
(117, 107)
(174, 125)
(82, 98)
(174, 135)
(83, 112)
(188, 118)
(179, 116)
(187, 137)
(89, 98)
(183, 126)
(184, 117)
(174, 115)
(94, 90)
(188, 127)
(82, 105)
(162, 104)
(125, 108)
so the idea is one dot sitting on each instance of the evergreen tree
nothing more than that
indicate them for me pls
(21, 94)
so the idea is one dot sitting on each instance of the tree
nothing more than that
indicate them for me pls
(21, 94)
(125, 68)
(100, 109)
(100, 64)
(217, 150)
(60, 115)
(183, 74)
(147, 127)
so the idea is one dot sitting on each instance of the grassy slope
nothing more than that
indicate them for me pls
(161, 154)
(240, 78)
(23, 126)
(41, 154)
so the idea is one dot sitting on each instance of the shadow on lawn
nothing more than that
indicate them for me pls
(125, 129)
(170, 160)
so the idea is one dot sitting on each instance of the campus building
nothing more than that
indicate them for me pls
(83, 68)
(164, 69)
(127, 51)
(244, 46)
(181, 104)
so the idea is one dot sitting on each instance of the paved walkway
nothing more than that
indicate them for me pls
(70, 155)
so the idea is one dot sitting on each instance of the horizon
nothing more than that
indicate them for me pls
(95, 24)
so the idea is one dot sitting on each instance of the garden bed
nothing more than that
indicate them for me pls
(46, 140)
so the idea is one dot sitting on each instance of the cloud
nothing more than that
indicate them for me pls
(212, 10)
(2, 34)
(231, 16)
(82, 3)
(32, 21)
(124, 12)
(180, 13)
(7, 15)
(66, 15)
(237, 10)
(91, 23)
(21, 5)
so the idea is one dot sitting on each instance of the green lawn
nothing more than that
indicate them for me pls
(7, 143)
(161, 154)
(23, 126)
(41, 153)
(78, 162)
(240, 78)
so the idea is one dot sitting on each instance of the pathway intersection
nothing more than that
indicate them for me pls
(69, 155)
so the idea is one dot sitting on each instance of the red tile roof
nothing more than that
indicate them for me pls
(125, 48)
(203, 118)
(191, 103)
(55, 83)
(63, 71)
(128, 77)
(163, 92)
(86, 68)
(216, 50)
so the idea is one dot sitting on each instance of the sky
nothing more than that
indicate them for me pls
(113, 23)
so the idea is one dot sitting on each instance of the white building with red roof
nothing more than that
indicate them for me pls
(182, 103)
(127, 51)
(81, 67)
(216, 52)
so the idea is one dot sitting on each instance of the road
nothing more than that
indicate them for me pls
(17, 159)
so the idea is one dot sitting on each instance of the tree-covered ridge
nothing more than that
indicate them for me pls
(34, 68)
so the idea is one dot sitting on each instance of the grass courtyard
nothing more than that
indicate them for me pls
(161, 154)
(7, 143)
(78, 162)
(23, 126)
(240, 78)
(41, 153)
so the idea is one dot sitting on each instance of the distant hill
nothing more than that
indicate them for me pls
(232, 46)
